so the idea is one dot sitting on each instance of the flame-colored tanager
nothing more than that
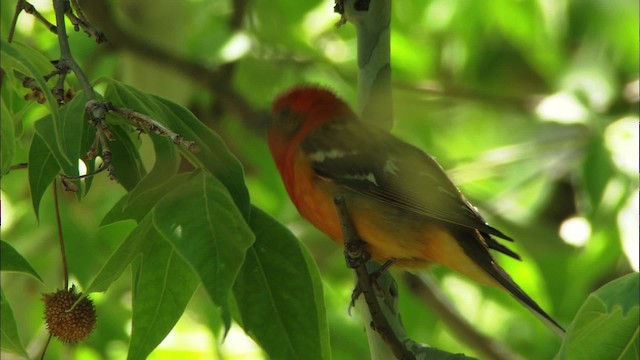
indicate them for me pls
(401, 202)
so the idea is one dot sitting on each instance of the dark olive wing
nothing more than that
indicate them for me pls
(374, 163)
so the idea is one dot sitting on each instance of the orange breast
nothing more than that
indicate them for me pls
(390, 232)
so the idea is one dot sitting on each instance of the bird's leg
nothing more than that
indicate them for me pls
(374, 277)
(387, 264)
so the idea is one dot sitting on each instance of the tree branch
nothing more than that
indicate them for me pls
(372, 20)
(356, 258)
(66, 60)
(212, 79)
(79, 22)
(147, 124)
(25, 6)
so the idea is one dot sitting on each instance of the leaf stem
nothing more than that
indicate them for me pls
(60, 236)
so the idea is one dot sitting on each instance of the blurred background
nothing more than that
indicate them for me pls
(531, 106)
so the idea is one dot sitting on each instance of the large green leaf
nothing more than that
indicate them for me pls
(45, 127)
(11, 260)
(43, 168)
(165, 283)
(214, 156)
(606, 326)
(127, 164)
(131, 248)
(203, 223)
(47, 156)
(19, 57)
(67, 148)
(279, 294)
(69, 126)
(167, 161)
(139, 201)
(62, 127)
(8, 139)
(158, 182)
(10, 339)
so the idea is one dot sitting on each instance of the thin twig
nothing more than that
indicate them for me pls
(97, 114)
(14, 21)
(437, 90)
(80, 22)
(78, 9)
(60, 237)
(25, 6)
(31, 10)
(147, 124)
(356, 258)
(18, 166)
(46, 345)
(58, 89)
(424, 288)
(66, 58)
(69, 186)
(208, 77)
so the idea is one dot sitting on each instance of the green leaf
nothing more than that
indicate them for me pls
(139, 201)
(279, 294)
(62, 128)
(11, 260)
(69, 126)
(45, 127)
(167, 161)
(127, 164)
(597, 170)
(129, 250)
(214, 156)
(165, 284)
(88, 137)
(10, 339)
(157, 183)
(42, 169)
(22, 58)
(67, 147)
(202, 222)
(8, 139)
(606, 326)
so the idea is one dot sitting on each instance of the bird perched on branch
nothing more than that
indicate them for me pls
(401, 202)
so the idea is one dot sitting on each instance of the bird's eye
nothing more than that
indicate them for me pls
(287, 120)
(284, 112)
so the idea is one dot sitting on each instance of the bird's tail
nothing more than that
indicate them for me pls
(480, 255)
(508, 284)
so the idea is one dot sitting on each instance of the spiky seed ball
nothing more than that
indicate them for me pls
(69, 325)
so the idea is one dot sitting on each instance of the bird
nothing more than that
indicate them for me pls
(402, 204)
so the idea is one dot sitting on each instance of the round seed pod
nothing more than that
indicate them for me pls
(69, 323)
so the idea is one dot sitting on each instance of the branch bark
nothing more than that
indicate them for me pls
(381, 300)
(372, 20)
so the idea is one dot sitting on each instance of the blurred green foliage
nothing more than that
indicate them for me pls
(532, 107)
